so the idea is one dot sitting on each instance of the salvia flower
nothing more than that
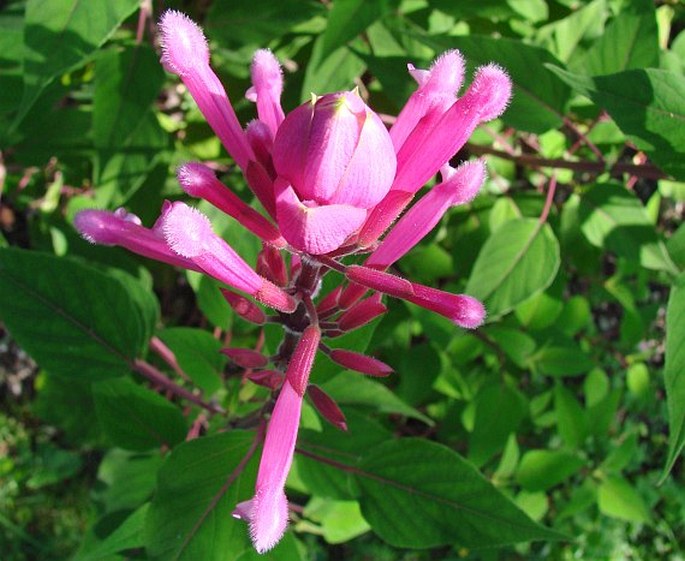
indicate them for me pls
(331, 179)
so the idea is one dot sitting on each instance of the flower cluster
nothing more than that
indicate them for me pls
(332, 180)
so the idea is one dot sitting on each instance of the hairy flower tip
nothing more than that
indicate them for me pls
(491, 89)
(463, 310)
(269, 519)
(187, 231)
(360, 363)
(468, 178)
(193, 177)
(327, 407)
(446, 73)
(101, 226)
(184, 46)
(266, 71)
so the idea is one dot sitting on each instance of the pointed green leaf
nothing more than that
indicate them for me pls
(60, 34)
(90, 325)
(647, 104)
(518, 261)
(613, 218)
(420, 494)
(674, 371)
(197, 488)
(617, 498)
(135, 418)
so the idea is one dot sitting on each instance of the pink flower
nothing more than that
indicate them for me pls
(267, 511)
(332, 180)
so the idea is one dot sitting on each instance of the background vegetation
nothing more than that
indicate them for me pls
(568, 400)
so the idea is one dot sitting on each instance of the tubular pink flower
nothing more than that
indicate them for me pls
(458, 187)
(125, 230)
(189, 233)
(270, 264)
(267, 511)
(382, 216)
(267, 80)
(327, 407)
(437, 91)
(247, 310)
(262, 186)
(431, 145)
(360, 363)
(330, 302)
(361, 313)
(261, 141)
(463, 310)
(300, 364)
(246, 358)
(335, 160)
(272, 379)
(199, 181)
(185, 53)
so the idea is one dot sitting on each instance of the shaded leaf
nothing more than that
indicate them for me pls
(197, 490)
(135, 418)
(648, 105)
(60, 34)
(612, 218)
(421, 494)
(90, 326)
(674, 370)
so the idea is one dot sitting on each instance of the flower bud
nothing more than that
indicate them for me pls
(335, 159)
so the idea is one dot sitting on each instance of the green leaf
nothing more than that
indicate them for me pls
(571, 420)
(197, 489)
(61, 34)
(135, 418)
(562, 358)
(499, 411)
(674, 370)
(630, 41)
(118, 73)
(518, 261)
(537, 105)
(90, 326)
(612, 218)
(420, 494)
(197, 353)
(648, 105)
(335, 72)
(347, 19)
(351, 388)
(340, 521)
(128, 535)
(238, 22)
(618, 499)
(67, 403)
(542, 469)
(126, 479)
(324, 480)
